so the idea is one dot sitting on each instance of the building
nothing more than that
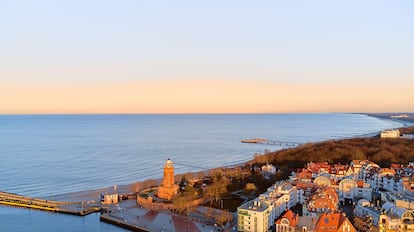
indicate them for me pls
(389, 217)
(253, 216)
(334, 222)
(322, 181)
(306, 224)
(400, 116)
(394, 218)
(390, 134)
(288, 222)
(111, 197)
(324, 200)
(280, 197)
(269, 168)
(385, 178)
(350, 190)
(364, 208)
(168, 188)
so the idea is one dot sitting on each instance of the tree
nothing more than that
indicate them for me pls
(357, 154)
(384, 158)
(250, 187)
(180, 203)
(215, 190)
(224, 217)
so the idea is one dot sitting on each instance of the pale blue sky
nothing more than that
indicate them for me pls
(324, 45)
(294, 41)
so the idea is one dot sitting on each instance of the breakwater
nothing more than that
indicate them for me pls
(75, 208)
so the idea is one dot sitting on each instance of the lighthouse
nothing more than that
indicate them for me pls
(168, 188)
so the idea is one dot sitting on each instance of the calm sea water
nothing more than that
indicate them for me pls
(43, 155)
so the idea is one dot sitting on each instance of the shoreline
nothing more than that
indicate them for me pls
(129, 207)
(93, 194)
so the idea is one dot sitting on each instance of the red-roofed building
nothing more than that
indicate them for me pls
(334, 222)
(304, 175)
(319, 168)
(287, 222)
(396, 166)
(324, 200)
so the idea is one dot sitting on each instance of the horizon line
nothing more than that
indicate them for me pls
(245, 113)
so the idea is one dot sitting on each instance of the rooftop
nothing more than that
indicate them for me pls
(330, 222)
(291, 217)
(254, 205)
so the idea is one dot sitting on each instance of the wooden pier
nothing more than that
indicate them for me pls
(271, 142)
(76, 208)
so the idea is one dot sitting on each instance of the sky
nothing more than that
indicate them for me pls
(206, 56)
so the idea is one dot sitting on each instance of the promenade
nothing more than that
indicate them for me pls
(129, 215)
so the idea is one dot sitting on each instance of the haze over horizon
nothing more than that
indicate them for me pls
(206, 57)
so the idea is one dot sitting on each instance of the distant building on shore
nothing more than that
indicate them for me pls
(390, 134)
(111, 197)
(168, 188)
(400, 116)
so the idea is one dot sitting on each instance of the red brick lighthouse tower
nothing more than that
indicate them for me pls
(168, 180)
(168, 189)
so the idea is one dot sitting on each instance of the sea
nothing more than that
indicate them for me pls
(46, 155)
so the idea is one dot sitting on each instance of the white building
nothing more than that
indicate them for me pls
(352, 190)
(390, 134)
(109, 198)
(269, 168)
(395, 218)
(388, 218)
(253, 216)
(385, 178)
(280, 197)
(363, 208)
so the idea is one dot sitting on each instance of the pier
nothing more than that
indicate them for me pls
(76, 208)
(271, 142)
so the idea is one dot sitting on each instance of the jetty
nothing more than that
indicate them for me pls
(271, 142)
(75, 208)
